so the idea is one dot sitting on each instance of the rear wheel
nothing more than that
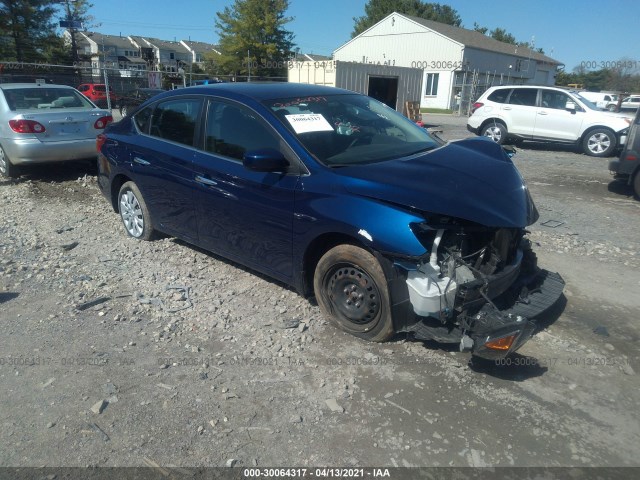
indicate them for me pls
(636, 185)
(496, 131)
(7, 169)
(352, 292)
(599, 142)
(134, 213)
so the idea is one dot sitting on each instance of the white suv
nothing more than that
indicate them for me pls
(547, 114)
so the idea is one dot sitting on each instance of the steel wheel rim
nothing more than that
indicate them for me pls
(494, 133)
(599, 143)
(353, 293)
(131, 213)
(124, 111)
(3, 162)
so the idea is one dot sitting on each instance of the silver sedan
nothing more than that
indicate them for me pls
(42, 123)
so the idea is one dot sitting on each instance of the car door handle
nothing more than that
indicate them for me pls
(543, 113)
(206, 181)
(506, 108)
(141, 161)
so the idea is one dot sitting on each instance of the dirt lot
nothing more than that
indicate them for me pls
(116, 352)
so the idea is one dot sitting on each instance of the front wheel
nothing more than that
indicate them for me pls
(352, 293)
(599, 142)
(496, 131)
(134, 212)
(611, 108)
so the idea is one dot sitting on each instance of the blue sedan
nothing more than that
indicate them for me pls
(343, 198)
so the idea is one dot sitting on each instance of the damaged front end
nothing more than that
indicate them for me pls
(478, 286)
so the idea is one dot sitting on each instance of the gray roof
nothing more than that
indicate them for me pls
(471, 38)
(314, 57)
(201, 47)
(167, 45)
(108, 40)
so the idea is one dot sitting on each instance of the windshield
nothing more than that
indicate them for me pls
(342, 130)
(587, 103)
(48, 97)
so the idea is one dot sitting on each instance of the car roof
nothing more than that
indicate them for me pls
(262, 91)
(10, 86)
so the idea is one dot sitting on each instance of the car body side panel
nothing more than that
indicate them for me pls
(163, 172)
(244, 215)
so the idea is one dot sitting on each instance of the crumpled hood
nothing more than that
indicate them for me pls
(472, 179)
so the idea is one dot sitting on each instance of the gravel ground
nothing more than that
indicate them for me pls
(117, 352)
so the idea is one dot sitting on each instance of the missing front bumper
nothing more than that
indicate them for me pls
(502, 327)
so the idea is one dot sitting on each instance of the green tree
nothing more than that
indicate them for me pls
(76, 11)
(376, 10)
(502, 35)
(478, 28)
(253, 38)
(26, 28)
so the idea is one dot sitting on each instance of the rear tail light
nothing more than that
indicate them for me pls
(476, 106)
(100, 141)
(631, 157)
(26, 126)
(102, 122)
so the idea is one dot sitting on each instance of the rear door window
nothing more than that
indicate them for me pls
(500, 95)
(142, 119)
(524, 96)
(176, 120)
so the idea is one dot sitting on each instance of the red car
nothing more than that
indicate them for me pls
(97, 93)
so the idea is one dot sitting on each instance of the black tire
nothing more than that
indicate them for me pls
(599, 142)
(351, 290)
(636, 185)
(134, 212)
(7, 169)
(496, 131)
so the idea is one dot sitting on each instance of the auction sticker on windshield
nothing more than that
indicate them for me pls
(309, 122)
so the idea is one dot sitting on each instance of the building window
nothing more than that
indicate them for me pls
(172, 56)
(432, 84)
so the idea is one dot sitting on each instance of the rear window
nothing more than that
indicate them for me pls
(99, 88)
(500, 95)
(41, 98)
(523, 96)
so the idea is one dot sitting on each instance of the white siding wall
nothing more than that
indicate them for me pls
(315, 73)
(397, 41)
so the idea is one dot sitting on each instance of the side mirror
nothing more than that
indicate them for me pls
(570, 107)
(265, 160)
(510, 150)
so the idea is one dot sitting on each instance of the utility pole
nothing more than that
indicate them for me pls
(72, 25)
(249, 64)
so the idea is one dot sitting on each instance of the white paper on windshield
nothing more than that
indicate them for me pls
(309, 122)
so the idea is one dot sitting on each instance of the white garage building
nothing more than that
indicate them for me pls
(458, 64)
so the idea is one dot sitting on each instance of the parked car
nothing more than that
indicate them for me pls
(130, 100)
(627, 167)
(340, 196)
(42, 123)
(97, 93)
(630, 103)
(547, 114)
(206, 81)
(600, 99)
